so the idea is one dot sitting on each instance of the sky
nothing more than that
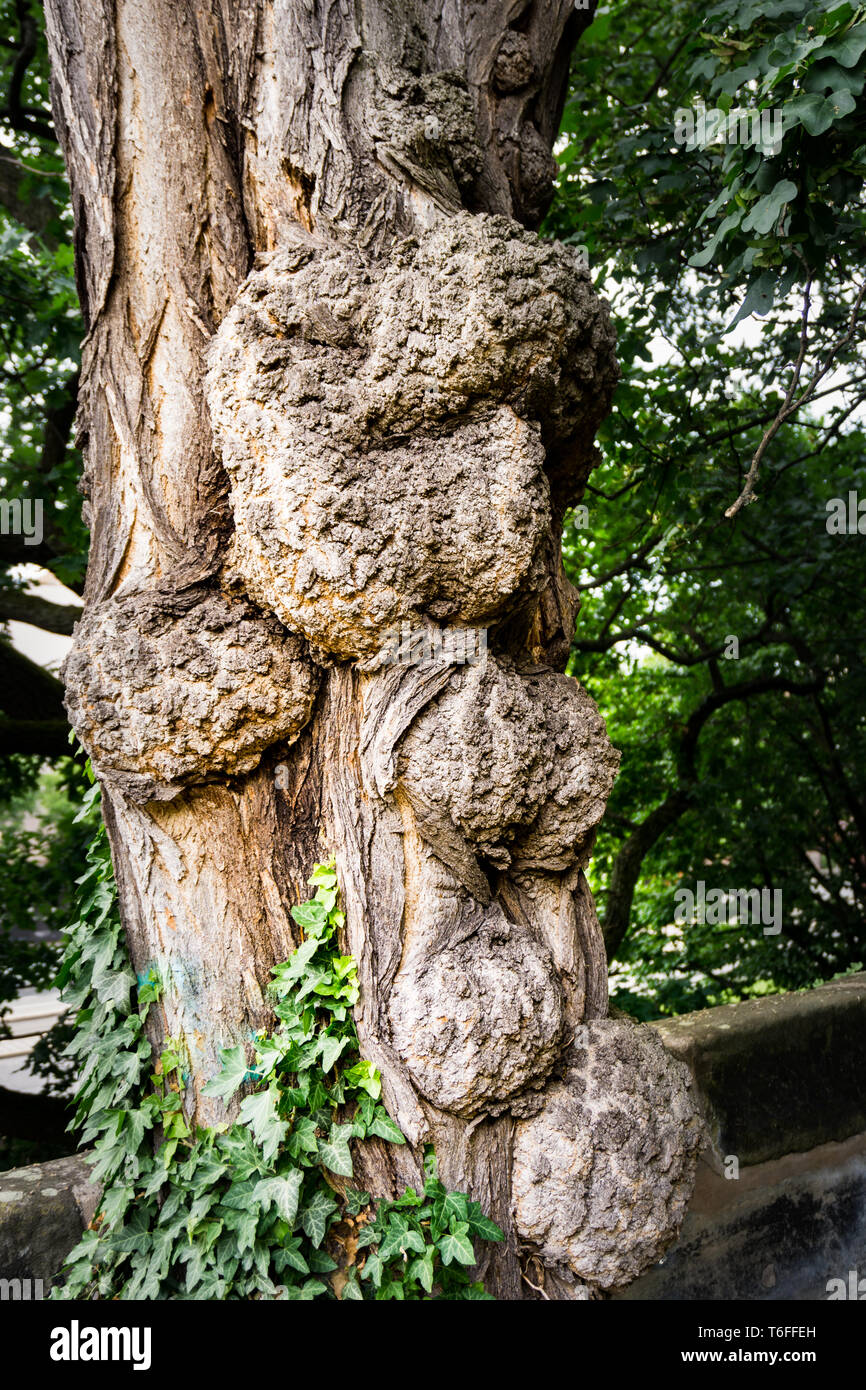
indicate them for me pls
(46, 648)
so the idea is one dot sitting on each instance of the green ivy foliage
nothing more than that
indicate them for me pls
(263, 1207)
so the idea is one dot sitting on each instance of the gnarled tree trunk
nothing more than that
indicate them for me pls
(335, 386)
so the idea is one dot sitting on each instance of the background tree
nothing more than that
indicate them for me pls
(740, 772)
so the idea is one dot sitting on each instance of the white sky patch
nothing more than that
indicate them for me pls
(48, 649)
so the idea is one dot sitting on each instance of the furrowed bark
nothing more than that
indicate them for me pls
(335, 387)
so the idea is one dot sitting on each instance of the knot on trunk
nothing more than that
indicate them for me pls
(520, 764)
(168, 689)
(480, 1021)
(424, 129)
(385, 426)
(604, 1171)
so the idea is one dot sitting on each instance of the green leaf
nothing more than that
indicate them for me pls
(481, 1225)
(330, 1049)
(290, 1257)
(709, 252)
(315, 1216)
(335, 1154)
(309, 916)
(849, 49)
(816, 113)
(758, 299)
(259, 1111)
(767, 210)
(385, 1128)
(302, 1139)
(280, 1192)
(422, 1269)
(455, 1245)
(232, 1074)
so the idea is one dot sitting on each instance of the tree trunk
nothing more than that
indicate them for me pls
(336, 388)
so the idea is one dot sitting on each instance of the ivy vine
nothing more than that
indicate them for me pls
(263, 1207)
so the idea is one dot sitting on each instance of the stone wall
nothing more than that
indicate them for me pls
(779, 1207)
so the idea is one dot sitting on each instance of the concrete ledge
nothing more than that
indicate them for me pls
(778, 1075)
(43, 1211)
(779, 1231)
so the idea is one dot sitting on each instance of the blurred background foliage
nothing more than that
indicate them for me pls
(735, 275)
(41, 785)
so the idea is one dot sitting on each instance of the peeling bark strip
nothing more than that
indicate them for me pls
(334, 382)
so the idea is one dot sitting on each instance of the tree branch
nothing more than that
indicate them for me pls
(36, 214)
(792, 404)
(629, 859)
(18, 607)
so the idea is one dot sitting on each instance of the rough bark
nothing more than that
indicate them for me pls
(334, 382)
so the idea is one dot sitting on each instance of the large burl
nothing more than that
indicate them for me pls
(385, 426)
(173, 688)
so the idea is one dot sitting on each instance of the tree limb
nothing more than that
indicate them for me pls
(18, 607)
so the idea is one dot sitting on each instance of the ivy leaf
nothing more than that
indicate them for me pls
(231, 1075)
(456, 1245)
(316, 1215)
(385, 1128)
(334, 1152)
(481, 1225)
(310, 917)
(280, 1192)
(302, 1139)
(245, 1225)
(305, 1293)
(373, 1269)
(295, 967)
(364, 1076)
(321, 1262)
(330, 1049)
(455, 1205)
(399, 1240)
(324, 876)
(290, 1257)
(260, 1113)
(422, 1269)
